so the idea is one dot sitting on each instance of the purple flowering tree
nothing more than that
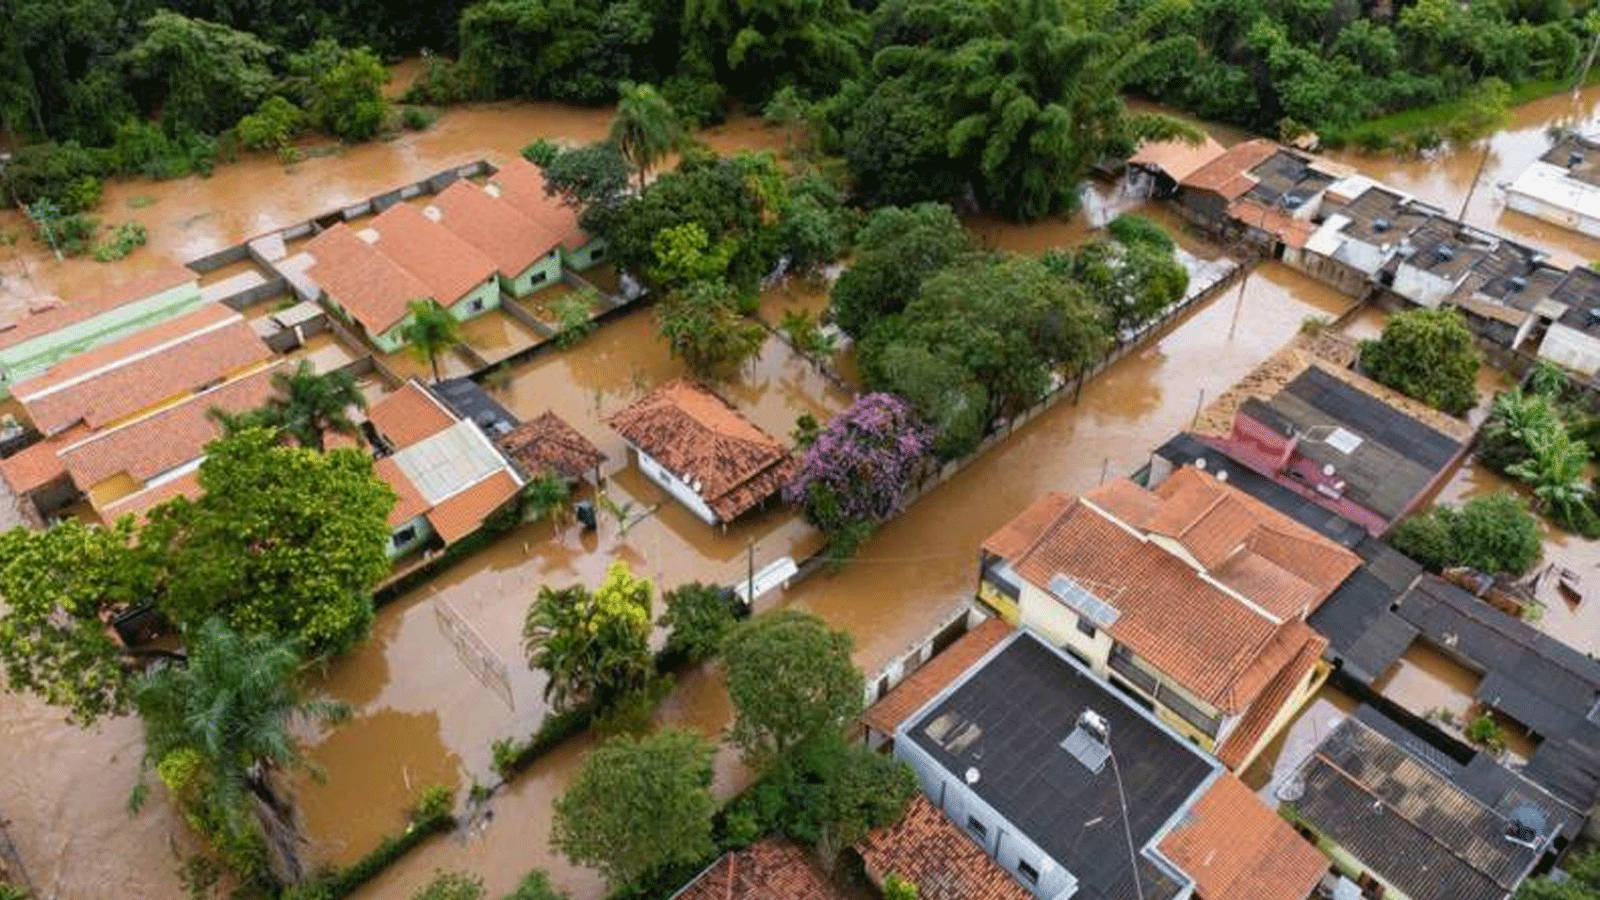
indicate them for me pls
(854, 474)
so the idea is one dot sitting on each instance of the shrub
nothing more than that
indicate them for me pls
(415, 118)
(1429, 355)
(1484, 731)
(340, 883)
(124, 239)
(451, 886)
(574, 317)
(542, 152)
(67, 233)
(442, 83)
(434, 803)
(1493, 533)
(699, 618)
(66, 174)
(272, 126)
(536, 886)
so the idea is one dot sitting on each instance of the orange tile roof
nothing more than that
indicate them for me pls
(1198, 634)
(60, 315)
(1277, 222)
(1307, 646)
(773, 868)
(141, 341)
(140, 504)
(703, 440)
(370, 286)
(408, 502)
(512, 240)
(1179, 159)
(448, 265)
(1229, 174)
(1235, 848)
(144, 378)
(521, 183)
(1279, 564)
(547, 442)
(409, 415)
(934, 676)
(164, 440)
(461, 514)
(928, 850)
(33, 467)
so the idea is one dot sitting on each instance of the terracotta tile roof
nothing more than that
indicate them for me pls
(1279, 564)
(928, 850)
(164, 440)
(1229, 174)
(512, 240)
(149, 375)
(370, 286)
(457, 516)
(1235, 848)
(1277, 222)
(704, 441)
(141, 341)
(770, 869)
(448, 265)
(547, 442)
(60, 315)
(1179, 159)
(934, 676)
(140, 504)
(34, 467)
(522, 185)
(409, 415)
(1307, 647)
(408, 502)
(1198, 634)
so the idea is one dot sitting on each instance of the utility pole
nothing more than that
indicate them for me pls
(750, 584)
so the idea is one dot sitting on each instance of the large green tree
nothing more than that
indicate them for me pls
(431, 332)
(646, 128)
(219, 733)
(638, 804)
(1493, 533)
(1429, 355)
(895, 250)
(791, 681)
(284, 541)
(1132, 276)
(200, 75)
(348, 100)
(594, 646)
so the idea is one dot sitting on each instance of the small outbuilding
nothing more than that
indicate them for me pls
(546, 443)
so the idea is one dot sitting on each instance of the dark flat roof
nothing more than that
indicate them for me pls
(1398, 457)
(1024, 701)
(1432, 827)
(1186, 449)
(468, 400)
(1364, 636)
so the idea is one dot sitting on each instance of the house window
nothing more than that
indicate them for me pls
(1188, 712)
(976, 827)
(476, 305)
(538, 277)
(1077, 655)
(1028, 873)
(405, 535)
(1122, 662)
(1086, 628)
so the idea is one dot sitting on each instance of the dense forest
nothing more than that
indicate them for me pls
(1006, 101)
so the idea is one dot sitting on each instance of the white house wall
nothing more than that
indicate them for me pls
(1569, 347)
(681, 492)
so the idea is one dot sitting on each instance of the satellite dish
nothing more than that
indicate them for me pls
(1327, 469)
(1222, 475)
(972, 775)
(1200, 464)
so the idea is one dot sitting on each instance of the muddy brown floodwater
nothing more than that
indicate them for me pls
(443, 676)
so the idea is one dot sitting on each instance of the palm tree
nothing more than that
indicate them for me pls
(309, 405)
(431, 331)
(1554, 469)
(218, 730)
(1515, 420)
(645, 128)
(547, 497)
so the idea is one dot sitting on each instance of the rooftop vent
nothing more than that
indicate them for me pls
(1380, 225)
(1293, 201)
(1574, 159)
(1088, 741)
(1445, 252)
(1526, 825)
(1516, 284)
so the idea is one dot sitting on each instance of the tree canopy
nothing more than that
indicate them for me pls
(1494, 533)
(791, 681)
(638, 804)
(895, 250)
(593, 645)
(860, 465)
(1429, 355)
(1133, 275)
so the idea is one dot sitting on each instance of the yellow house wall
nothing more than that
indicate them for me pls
(114, 488)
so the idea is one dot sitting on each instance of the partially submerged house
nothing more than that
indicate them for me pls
(1562, 186)
(773, 868)
(1168, 163)
(521, 185)
(48, 334)
(1397, 815)
(447, 474)
(702, 451)
(1337, 438)
(1572, 336)
(1079, 792)
(363, 286)
(546, 443)
(1259, 193)
(458, 276)
(525, 251)
(1191, 598)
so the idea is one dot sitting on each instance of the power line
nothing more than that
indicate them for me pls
(1127, 829)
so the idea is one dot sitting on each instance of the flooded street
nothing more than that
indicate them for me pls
(429, 706)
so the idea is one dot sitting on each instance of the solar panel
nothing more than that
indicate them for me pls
(1085, 748)
(1081, 601)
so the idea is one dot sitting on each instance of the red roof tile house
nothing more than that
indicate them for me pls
(521, 185)
(773, 868)
(458, 275)
(928, 850)
(1260, 191)
(446, 473)
(364, 285)
(1192, 596)
(696, 446)
(526, 253)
